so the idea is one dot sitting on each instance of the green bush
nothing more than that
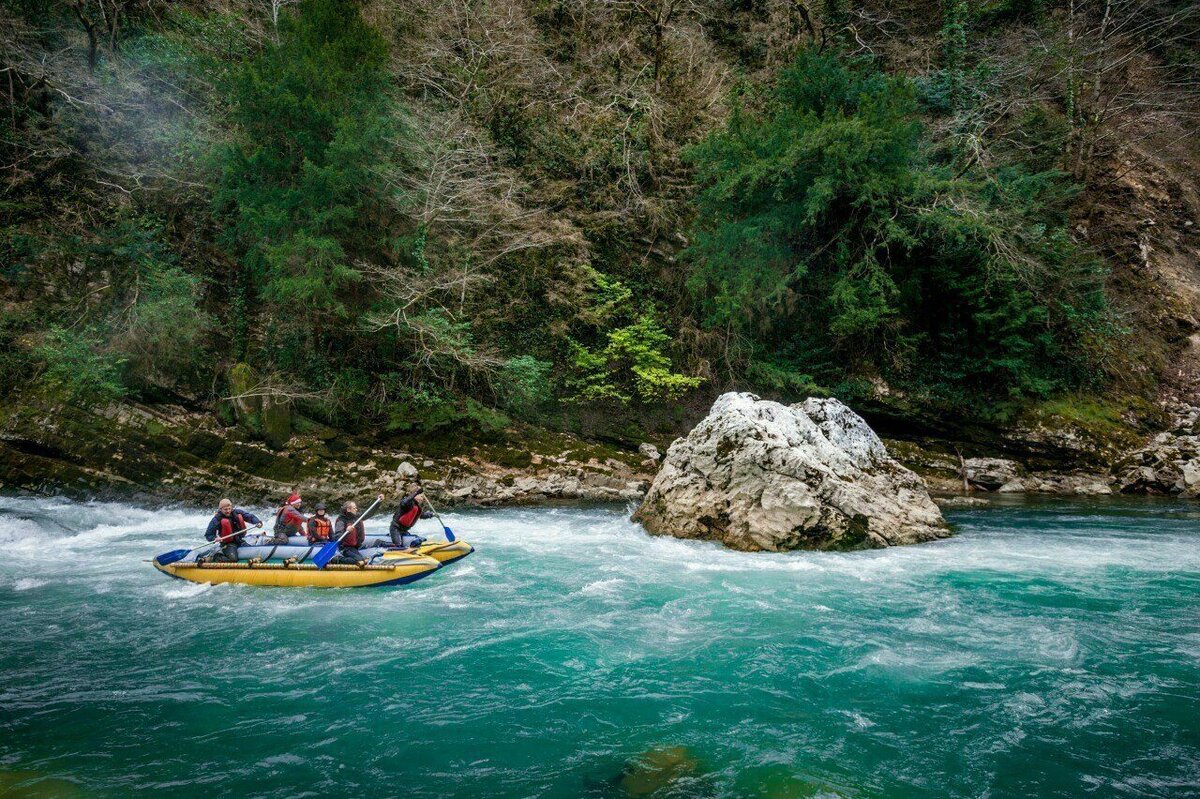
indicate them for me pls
(303, 185)
(77, 368)
(632, 364)
(524, 383)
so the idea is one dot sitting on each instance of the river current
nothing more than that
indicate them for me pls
(1049, 649)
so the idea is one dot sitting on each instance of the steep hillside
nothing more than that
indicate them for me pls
(445, 223)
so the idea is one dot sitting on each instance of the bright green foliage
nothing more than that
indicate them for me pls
(632, 364)
(302, 186)
(828, 238)
(77, 368)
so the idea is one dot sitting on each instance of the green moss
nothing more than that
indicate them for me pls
(855, 536)
(511, 458)
(276, 423)
(248, 410)
(305, 426)
(1105, 424)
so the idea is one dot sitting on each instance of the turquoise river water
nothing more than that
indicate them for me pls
(1049, 649)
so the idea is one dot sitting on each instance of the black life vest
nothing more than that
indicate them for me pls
(225, 533)
(319, 528)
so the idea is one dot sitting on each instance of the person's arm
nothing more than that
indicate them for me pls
(210, 534)
(339, 527)
(250, 518)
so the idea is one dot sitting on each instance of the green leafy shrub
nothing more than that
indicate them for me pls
(78, 369)
(524, 383)
(632, 364)
(302, 186)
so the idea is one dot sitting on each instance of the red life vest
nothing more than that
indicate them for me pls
(319, 528)
(227, 529)
(288, 521)
(355, 535)
(409, 517)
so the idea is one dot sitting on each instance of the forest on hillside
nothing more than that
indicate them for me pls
(436, 213)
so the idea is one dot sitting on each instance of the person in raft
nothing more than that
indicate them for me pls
(407, 512)
(320, 526)
(288, 521)
(351, 534)
(227, 528)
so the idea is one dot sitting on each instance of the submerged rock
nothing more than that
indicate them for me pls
(758, 475)
(658, 770)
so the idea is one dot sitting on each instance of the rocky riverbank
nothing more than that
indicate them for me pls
(174, 453)
(170, 453)
(1165, 463)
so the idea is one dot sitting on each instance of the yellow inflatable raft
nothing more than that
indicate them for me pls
(444, 552)
(395, 571)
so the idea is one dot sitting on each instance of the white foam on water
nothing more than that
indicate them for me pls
(1016, 616)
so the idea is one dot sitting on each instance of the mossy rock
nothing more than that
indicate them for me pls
(248, 410)
(309, 427)
(657, 770)
(276, 423)
(204, 445)
(511, 458)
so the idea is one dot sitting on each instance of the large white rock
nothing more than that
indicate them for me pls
(758, 475)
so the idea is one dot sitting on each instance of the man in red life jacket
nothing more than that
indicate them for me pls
(351, 534)
(320, 526)
(288, 521)
(227, 528)
(407, 512)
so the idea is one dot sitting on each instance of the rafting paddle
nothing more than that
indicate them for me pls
(176, 555)
(327, 551)
(449, 533)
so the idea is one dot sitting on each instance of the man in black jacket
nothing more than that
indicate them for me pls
(407, 512)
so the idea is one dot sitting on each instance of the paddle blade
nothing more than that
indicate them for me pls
(167, 558)
(449, 533)
(325, 554)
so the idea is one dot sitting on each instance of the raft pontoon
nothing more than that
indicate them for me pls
(263, 563)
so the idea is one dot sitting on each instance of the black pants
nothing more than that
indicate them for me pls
(350, 556)
(226, 553)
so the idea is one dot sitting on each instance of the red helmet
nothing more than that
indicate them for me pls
(292, 499)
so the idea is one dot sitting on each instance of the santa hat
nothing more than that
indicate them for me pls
(293, 499)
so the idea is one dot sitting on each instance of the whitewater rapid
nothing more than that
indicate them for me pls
(1050, 648)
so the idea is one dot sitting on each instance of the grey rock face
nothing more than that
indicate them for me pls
(649, 452)
(758, 475)
(1169, 463)
(993, 474)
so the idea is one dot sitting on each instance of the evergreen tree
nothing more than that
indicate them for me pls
(302, 188)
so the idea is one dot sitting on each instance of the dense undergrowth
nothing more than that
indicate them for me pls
(448, 215)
